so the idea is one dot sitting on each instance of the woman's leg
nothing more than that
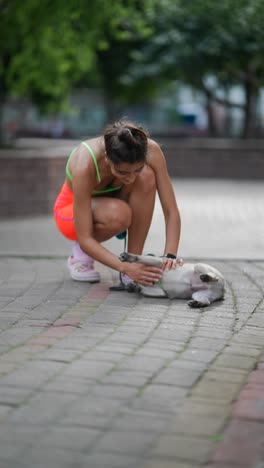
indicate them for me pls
(141, 201)
(111, 216)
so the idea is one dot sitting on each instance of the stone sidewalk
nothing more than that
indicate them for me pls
(96, 379)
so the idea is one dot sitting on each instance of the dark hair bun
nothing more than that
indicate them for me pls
(125, 142)
(125, 134)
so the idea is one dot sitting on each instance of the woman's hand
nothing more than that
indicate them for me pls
(171, 263)
(143, 274)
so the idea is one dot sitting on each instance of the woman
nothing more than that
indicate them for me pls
(110, 187)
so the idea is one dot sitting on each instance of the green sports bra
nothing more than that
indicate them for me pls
(107, 189)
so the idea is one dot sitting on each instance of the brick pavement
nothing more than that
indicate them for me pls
(91, 379)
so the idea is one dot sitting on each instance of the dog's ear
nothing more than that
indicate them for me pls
(208, 277)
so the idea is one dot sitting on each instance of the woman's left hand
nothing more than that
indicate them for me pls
(171, 263)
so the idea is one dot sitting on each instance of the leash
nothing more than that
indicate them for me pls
(121, 286)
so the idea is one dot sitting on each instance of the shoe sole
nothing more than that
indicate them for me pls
(93, 279)
(86, 280)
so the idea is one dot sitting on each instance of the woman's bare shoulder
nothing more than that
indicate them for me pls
(82, 159)
(155, 155)
(152, 144)
(95, 143)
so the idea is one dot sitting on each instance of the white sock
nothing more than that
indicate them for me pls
(77, 252)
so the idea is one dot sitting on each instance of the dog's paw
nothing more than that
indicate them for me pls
(196, 304)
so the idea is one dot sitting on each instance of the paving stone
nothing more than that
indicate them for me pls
(247, 351)
(17, 355)
(197, 354)
(184, 448)
(190, 424)
(153, 352)
(204, 407)
(235, 361)
(211, 344)
(126, 443)
(89, 420)
(139, 363)
(44, 408)
(229, 465)
(255, 341)
(222, 375)
(63, 384)
(111, 346)
(23, 435)
(88, 369)
(158, 406)
(91, 405)
(13, 396)
(249, 408)
(69, 438)
(239, 449)
(40, 457)
(216, 390)
(119, 392)
(179, 363)
(126, 377)
(10, 450)
(110, 460)
(131, 420)
(58, 355)
(32, 374)
(7, 367)
(178, 378)
(165, 463)
(4, 410)
(168, 345)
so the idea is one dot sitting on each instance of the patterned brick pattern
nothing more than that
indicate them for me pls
(90, 378)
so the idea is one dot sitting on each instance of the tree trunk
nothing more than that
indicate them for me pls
(2, 132)
(250, 116)
(212, 127)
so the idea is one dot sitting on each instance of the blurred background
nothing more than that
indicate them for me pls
(179, 67)
(191, 72)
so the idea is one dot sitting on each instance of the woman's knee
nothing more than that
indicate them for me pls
(117, 215)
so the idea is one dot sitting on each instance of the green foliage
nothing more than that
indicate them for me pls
(193, 39)
(196, 40)
(48, 46)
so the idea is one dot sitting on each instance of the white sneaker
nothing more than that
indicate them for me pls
(82, 269)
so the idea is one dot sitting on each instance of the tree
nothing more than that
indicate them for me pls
(48, 47)
(116, 57)
(43, 48)
(196, 40)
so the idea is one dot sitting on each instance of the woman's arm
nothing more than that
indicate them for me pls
(167, 199)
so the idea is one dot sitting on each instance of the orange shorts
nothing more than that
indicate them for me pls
(63, 213)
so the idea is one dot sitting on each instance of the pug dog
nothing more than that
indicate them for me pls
(201, 283)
